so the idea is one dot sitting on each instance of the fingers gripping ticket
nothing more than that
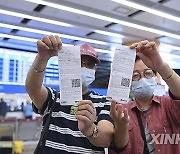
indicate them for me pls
(143, 44)
(50, 42)
(86, 108)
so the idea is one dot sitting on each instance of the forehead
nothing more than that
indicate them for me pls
(139, 66)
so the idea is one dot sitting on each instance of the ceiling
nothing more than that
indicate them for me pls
(102, 23)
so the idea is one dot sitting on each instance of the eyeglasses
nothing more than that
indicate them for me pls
(147, 73)
(88, 64)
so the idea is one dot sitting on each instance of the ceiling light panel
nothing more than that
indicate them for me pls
(4, 30)
(49, 21)
(157, 20)
(148, 9)
(32, 40)
(21, 15)
(105, 18)
(19, 4)
(7, 18)
(74, 17)
(136, 32)
(48, 33)
(173, 4)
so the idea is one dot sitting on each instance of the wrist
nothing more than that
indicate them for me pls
(92, 131)
(165, 71)
(89, 131)
(37, 70)
(40, 59)
(121, 126)
(39, 65)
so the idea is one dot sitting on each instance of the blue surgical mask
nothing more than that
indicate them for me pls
(143, 88)
(88, 76)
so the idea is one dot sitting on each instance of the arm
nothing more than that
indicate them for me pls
(174, 80)
(148, 53)
(47, 47)
(121, 120)
(105, 134)
(86, 115)
(34, 86)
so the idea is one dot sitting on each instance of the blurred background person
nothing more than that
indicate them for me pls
(3, 108)
(28, 111)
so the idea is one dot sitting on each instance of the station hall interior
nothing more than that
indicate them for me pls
(104, 24)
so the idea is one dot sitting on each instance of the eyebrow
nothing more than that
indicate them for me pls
(142, 71)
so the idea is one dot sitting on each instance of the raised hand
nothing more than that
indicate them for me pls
(86, 115)
(119, 114)
(48, 46)
(148, 53)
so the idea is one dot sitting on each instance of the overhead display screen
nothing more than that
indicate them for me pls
(14, 66)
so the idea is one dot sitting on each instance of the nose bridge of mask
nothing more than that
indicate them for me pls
(151, 81)
(88, 76)
(143, 82)
(144, 87)
(87, 72)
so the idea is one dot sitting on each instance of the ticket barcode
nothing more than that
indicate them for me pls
(125, 82)
(75, 83)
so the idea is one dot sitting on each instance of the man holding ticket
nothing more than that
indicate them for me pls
(91, 128)
(154, 123)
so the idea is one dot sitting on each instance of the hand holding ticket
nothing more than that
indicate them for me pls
(69, 61)
(121, 73)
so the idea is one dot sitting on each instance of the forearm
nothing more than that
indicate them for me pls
(34, 81)
(34, 78)
(105, 135)
(174, 82)
(121, 136)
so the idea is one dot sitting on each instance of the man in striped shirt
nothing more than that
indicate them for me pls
(91, 128)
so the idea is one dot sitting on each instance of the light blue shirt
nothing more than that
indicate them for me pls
(28, 110)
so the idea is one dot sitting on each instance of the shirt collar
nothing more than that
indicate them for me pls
(154, 99)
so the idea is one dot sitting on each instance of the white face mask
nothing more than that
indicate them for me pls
(143, 88)
(88, 76)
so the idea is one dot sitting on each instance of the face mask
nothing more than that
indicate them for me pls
(143, 88)
(88, 76)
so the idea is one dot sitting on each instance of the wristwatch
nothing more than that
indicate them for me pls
(95, 132)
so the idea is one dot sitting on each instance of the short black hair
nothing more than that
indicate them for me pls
(138, 58)
(89, 58)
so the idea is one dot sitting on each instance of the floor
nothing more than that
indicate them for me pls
(29, 147)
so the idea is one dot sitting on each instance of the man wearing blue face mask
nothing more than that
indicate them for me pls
(143, 87)
(91, 128)
(154, 124)
(88, 65)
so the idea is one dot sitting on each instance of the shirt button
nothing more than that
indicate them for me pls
(154, 131)
(149, 116)
(159, 150)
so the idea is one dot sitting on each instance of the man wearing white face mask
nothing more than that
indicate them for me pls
(154, 124)
(88, 65)
(143, 87)
(91, 128)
